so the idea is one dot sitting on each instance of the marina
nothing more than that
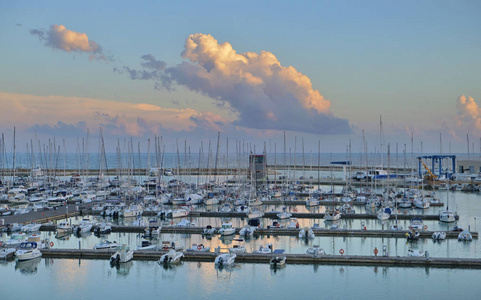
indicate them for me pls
(157, 230)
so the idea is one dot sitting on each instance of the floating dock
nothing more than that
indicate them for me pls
(286, 231)
(397, 261)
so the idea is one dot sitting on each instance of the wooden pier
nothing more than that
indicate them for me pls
(383, 261)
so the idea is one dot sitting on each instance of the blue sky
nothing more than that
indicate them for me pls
(416, 63)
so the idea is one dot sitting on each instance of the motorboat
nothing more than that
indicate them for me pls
(315, 250)
(247, 230)
(422, 203)
(465, 235)
(293, 223)
(447, 216)
(256, 202)
(264, 250)
(13, 227)
(413, 235)
(178, 213)
(167, 245)
(134, 210)
(185, 223)
(278, 262)
(106, 245)
(439, 235)
(405, 202)
(306, 233)
(243, 209)
(84, 226)
(226, 229)
(212, 201)
(284, 215)
(16, 239)
(7, 253)
(199, 248)
(415, 253)
(312, 201)
(384, 213)
(36, 238)
(226, 259)
(416, 224)
(28, 251)
(123, 255)
(146, 245)
(64, 226)
(332, 215)
(152, 231)
(31, 227)
(208, 230)
(347, 209)
(237, 249)
(103, 228)
(172, 257)
(255, 214)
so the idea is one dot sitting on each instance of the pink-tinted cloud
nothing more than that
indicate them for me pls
(131, 119)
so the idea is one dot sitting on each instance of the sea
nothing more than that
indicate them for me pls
(96, 279)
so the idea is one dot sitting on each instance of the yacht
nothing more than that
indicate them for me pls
(447, 216)
(28, 251)
(227, 229)
(16, 239)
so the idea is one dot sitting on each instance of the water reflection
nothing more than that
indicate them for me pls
(28, 266)
(123, 268)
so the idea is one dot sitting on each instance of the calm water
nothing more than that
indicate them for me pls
(95, 279)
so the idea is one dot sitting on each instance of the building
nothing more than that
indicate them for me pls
(257, 167)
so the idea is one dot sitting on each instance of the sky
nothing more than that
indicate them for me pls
(328, 72)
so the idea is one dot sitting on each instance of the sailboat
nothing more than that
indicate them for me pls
(447, 215)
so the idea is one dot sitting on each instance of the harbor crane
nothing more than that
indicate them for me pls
(431, 176)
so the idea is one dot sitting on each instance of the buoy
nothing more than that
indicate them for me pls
(199, 247)
(1, 244)
(341, 251)
(294, 209)
(171, 222)
(51, 244)
(425, 227)
(375, 251)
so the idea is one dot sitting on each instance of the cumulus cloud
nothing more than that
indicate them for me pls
(256, 87)
(469, 114)
(59, 37)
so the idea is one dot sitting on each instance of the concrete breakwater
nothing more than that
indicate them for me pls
(395, 261)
